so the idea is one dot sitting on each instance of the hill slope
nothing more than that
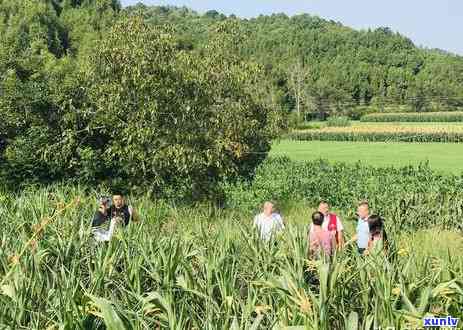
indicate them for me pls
(332, 66)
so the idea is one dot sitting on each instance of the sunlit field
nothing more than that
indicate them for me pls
(444, 157)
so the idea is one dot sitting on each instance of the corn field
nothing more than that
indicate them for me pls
(450, 116)
(382, 133)
(203, 267)
(412, 197)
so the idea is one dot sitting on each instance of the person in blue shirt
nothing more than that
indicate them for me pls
(363, 230)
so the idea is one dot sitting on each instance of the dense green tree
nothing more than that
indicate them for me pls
(40, 88)
(144, 111)
(171, 117)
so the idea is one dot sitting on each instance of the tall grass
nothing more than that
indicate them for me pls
(205, 268)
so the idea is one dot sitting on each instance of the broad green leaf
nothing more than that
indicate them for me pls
(111, 319)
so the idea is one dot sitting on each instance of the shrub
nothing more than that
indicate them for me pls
(155, 115)
(309, 125)
(338, 122)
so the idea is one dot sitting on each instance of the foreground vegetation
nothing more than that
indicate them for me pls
(442, 157)
(205, 268)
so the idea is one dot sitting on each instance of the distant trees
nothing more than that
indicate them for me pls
(355, 69)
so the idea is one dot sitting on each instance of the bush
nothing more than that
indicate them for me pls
(451, 116)
(338, 122)
(155, 116)
(309, 125)
(355, 113)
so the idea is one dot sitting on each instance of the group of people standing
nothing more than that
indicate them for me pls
(326, 231)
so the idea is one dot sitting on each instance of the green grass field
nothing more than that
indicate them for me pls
(445, 157)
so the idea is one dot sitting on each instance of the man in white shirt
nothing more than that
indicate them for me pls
(331, 222)
(268, 222)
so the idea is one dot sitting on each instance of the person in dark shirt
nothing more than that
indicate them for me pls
(116, 210)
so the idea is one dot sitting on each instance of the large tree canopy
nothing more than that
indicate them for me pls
(143, 110)
(177, 118)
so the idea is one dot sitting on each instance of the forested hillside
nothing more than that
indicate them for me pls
(92, 91)
(320, 65)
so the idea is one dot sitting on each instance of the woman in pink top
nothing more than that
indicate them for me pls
(320, 241)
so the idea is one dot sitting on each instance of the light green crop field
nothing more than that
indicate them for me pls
(397, 123)
(357, 123)
(444, 157)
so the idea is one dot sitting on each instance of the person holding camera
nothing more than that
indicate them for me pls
(116, 212)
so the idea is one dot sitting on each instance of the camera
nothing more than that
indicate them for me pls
(106, 201)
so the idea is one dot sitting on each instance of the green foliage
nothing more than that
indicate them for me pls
(310, 125)
(338, 122)
(42, 93)
(355, 113)
(455, 116)
(23, 158)
(170, 119)
(84, 101)
(325, 67)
